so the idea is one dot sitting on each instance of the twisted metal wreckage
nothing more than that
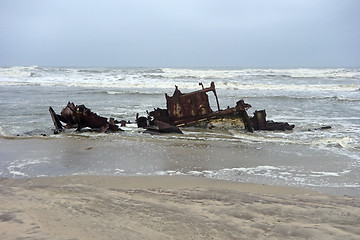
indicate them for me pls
(183, 109)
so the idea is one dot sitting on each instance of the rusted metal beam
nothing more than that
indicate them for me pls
(56, 121)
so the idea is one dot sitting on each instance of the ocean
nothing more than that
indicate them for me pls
(325, 160)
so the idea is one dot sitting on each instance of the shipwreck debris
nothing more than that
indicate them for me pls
(182, 110)
(156, 126)
(320, 128)
(259, 122)
(58, 126)
(79, 116)
(193, 109)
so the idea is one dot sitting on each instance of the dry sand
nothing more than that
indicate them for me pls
(178, 207)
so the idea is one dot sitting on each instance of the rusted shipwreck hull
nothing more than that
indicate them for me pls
(183, 109)
(193, 109)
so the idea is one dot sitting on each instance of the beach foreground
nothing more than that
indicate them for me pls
(169, 207)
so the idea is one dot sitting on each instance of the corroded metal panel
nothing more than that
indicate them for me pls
(190, 106)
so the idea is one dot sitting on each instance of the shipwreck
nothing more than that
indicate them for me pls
(79, 116)
(182, 110)
(193, 109)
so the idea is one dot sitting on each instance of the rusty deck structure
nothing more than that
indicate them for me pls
(193, 109)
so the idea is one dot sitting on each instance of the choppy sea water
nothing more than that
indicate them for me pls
(326, 160)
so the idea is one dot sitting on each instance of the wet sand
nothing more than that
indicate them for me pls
(169, 207)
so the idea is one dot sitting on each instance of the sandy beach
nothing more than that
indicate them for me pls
(169, 207)
(266, 95)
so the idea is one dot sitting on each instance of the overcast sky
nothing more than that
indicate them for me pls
(180, 33)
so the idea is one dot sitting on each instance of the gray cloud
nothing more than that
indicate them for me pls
(256, 33)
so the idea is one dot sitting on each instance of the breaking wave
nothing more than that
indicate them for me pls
(186, 78)
(18, 71)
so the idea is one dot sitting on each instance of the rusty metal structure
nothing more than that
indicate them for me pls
(183, 109)
(79, 116)
(193, 109)
(191, 106)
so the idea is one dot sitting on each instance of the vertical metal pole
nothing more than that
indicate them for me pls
(212, 85)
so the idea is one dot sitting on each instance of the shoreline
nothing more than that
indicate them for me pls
(163, 207)
(130, 156)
